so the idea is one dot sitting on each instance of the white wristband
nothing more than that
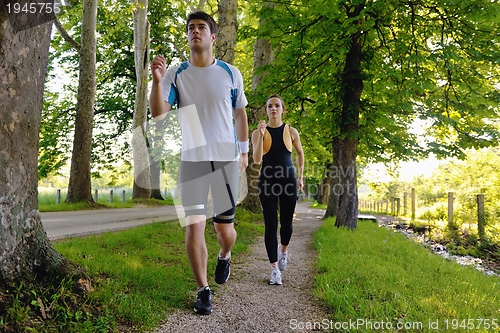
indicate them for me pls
(243, 146)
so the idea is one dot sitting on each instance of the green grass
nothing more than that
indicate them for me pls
(317, 205)
(143, 273)
(374, 274)
(370, 276)
(47, 202)
(139, 275)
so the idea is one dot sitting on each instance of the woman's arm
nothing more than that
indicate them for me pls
(258, 142)
(300, 156)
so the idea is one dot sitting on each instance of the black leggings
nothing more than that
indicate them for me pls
(270, 191)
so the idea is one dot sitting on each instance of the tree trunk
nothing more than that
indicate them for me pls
(155, 175)
(346, 145)
(156, 194)
(80, 188)
(156, 146)
(325, 185)
(346, 189)
(142, 172)
(331, 209)
(25, 251)
(251, 201)
(321, 192)
(263, 55)
(228, 26)
(333, 199)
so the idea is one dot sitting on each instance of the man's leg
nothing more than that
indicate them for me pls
(224, 190)
(226, 235)
(194, 191)
(196, 248)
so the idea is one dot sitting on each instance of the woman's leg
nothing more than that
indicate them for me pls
(288, 201)
(269, 203)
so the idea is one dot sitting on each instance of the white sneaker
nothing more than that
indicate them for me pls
(282, 259)
(275, 277)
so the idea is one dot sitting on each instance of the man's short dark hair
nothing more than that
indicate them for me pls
(200, 15)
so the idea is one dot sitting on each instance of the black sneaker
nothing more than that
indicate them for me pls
(203, 305)
(222, 270)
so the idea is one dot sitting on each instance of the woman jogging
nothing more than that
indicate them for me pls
(272, 147)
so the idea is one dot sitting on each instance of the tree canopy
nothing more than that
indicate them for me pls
(428, 61)
(399, 80)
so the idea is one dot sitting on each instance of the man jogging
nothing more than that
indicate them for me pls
(211, 101)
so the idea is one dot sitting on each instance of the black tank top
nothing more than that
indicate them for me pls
(277, 161)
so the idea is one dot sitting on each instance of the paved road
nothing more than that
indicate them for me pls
(79, 223)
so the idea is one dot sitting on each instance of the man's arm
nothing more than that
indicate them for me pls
(159, 107)
(157, 104)
(241, 122)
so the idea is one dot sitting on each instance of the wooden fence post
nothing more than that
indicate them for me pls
(111, 196)
(480, 217)
(450, 210)
(96, 195)
(58, 196)
(405, 202)
(123, 195)
(413, 203)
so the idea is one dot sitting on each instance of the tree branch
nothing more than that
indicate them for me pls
(66, 36)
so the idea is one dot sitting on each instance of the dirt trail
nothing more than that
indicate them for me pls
(246, 303)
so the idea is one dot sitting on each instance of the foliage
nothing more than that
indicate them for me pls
(419, 66)
(116, 79)
(418, 63)
(50, 307)
(57, 123)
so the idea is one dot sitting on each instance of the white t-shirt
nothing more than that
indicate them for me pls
(206, 97)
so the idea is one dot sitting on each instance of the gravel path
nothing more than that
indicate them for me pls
(246, 303)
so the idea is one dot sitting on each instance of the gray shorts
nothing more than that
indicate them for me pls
(220, 177)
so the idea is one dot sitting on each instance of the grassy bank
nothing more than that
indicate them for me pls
(375, 280)
(139, 275)
(47, 202)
